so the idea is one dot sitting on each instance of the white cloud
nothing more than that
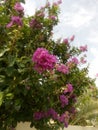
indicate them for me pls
(93, 37)
(93, 68)
(29, 7)
(78, 16)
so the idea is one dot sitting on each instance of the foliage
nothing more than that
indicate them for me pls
(87, 107)
(28, 91)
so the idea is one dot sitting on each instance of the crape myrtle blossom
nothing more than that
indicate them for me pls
(72, 38)
(15, 20)
(66, 41)
(67, 95)
(45, 114)
(41, 14)
(51, 112)
(75, 60)
(82, 60)
(35, 24)
(18, 7)
(96, 75)
(47, 4)
(72, 62)
(83, 48)
(57, 3)
(72, 110)
(38, 115)
(69, 88)
(69, 64)
(64, 100)
(63, 118)
(52, 17)
(62, 68)
(43, 60)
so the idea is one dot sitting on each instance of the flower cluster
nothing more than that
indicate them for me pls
(62, 68)
(52, 17)
(57, 3)
(35, 24)
(66, 41)
(64, 100)
(67, 95)
(83, 48)
(68, 89)
(15, 20)
(43, 60)
(75, 60)
(82, 60)
(51, 113)
(18, 7)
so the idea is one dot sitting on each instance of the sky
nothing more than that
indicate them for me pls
(79, 18)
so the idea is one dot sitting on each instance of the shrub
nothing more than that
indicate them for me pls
(40, 78)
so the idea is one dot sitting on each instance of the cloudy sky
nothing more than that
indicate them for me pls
(79, 18)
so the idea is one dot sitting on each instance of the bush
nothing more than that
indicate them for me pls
(40, 78)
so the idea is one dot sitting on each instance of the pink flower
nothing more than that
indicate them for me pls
(59, 1)
(62, 68)
(15, 20)
(43, 60)
(72, 110)
(52, 113)
(63, 100)
(38, 115)
(9, 24)
(18, 7)
(75, 60)
(82, 60)
(55, 4)
(53, 17)
(41, 14)
(69, 87)
(72, 38)
(65, 41)
(97, 75)
(47, 4)
(64, 118)
(35, 24)
(83, 48)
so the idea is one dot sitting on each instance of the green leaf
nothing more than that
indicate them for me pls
(10, 71)
(17, 104)
(1, 98)
(2, 52)
(9, 95)
(11, 60)
(2, 77)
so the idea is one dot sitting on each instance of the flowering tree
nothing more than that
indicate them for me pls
(40, 79)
